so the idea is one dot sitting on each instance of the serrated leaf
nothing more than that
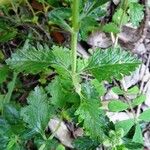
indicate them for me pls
(38, 113)
(138, 137)
(145, 116)
(120, 17)
(11, 114)
(92, 5)
(136, 13)
(34, 60)
(85, 143)
(116, 106)
(49, 144)
(93, 121)
(126, 125)
(111, 63)
(62, 61)
(85, 29)
(99, 87)
(61, 95)
(111, 27)
(31, 60)
(59, 16)
(139, 100)
(89, 91)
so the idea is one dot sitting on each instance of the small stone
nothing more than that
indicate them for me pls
(99, 39)
(62, 133)
(140, 49)
(82, 52)
(119, 116)
(147, 41)
(135, 77)
(111, 95)
(116, 2)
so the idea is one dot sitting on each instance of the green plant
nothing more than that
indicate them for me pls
(69, 96)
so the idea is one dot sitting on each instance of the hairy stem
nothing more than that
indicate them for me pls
(74, 35)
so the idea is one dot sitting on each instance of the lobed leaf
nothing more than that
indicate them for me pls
(34, 60)
(59, 16)
(93, 121)
(37, 114)
(31, 60)
(62, 92)
(111, 63)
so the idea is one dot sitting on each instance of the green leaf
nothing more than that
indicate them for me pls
(133, 90)
(126, 125)
(13, 144)
(138, 137)
(1, 101)
(34, 60)
(4, 70)
(120, 17)
(2, 57)
(92, 5)
(38, 113)
(62, 62)
(11, 114)
(49, 144)
(111, 27)
(85, 143)
(7, 32)
(139, 100)
(88, 91)
(31, 60)
(85, 29)
(117, 90)
(133, 145)
(116, 106)
(93, 121)
(60, 95)
(60, 147)
(99, 87)
(59, 16)
(111, 63)
(145, 116)
(136, 13)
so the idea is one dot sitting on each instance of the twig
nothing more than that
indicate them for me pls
(142, 84)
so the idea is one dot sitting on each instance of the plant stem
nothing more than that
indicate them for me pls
(125, 4)
(10, 88)
(74, 35)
